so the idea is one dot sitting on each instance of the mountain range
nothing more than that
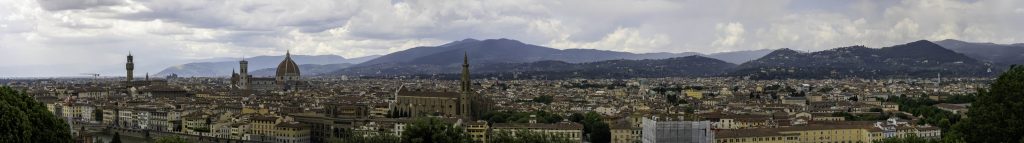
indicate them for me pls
(1001, 55)
(219, 67)
(688, 66)
(503, 51)
(498, 56)
(916, 59)
(505, 56)
(438, 59)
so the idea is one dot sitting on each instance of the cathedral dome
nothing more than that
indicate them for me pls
(287, 68)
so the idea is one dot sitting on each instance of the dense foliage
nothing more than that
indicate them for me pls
(22, 119)
(520, 117)
(546, 99)
(171, 139)
(525, 137)
(433, 130)
(997, 115)
(923, 107)
(117, 138)
(367, 139)
(593, 126)
(862, 117)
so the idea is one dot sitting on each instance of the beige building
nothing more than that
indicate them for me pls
(291, 132)
(625, 133)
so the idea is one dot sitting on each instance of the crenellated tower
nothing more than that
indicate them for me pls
(130, 66)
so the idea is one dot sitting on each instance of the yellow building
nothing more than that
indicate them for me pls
(251, 110)
(263, 127)
(815, 133)
(755, 136)
(291, 132)
(695, 93)
(624, 133)
(477, 131)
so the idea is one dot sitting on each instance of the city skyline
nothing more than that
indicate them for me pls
(92, 36)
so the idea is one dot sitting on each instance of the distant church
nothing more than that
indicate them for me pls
(465, 103)
(287, 77)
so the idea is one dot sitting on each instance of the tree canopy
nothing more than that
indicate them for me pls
(598, 131)
(22, 119)
(171, 139)
(997, 115)
(433, 130)
(524, 136)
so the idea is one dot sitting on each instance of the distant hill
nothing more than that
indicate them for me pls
(689, 66)
(739, 57)
(306, 69)
(223, 66)
(999, 54)
(915, 59)
(440, 59)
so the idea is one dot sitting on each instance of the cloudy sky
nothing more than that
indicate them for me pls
(69, 37)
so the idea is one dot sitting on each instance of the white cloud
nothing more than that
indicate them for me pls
(94, 35)
(55, 5)
(623, 39)
(729, 34)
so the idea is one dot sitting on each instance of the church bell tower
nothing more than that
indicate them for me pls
(465, 91)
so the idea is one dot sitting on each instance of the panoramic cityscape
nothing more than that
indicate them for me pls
(512, 71)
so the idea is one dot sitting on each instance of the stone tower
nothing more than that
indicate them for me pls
(130, 66)
(243, 74)
(465, 93)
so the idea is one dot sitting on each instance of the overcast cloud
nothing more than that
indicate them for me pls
(69, 37)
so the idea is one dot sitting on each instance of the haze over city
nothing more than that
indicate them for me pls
(60, 38)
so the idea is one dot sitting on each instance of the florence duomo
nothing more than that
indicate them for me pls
(519, 71)
(287, 77)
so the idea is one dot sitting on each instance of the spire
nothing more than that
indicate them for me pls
(465, 72)
(288, 53)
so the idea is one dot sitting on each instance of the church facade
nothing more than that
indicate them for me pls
(463, 104)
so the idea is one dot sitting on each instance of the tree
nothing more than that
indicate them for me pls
(543, 99)
(98, 115)
(672, 99)
(996, 115)
(433, 130)
(22, 119)
(171, 139)
(117, 138)
(367, 139)
(908, 139)
(524, 136)
(598, 131)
